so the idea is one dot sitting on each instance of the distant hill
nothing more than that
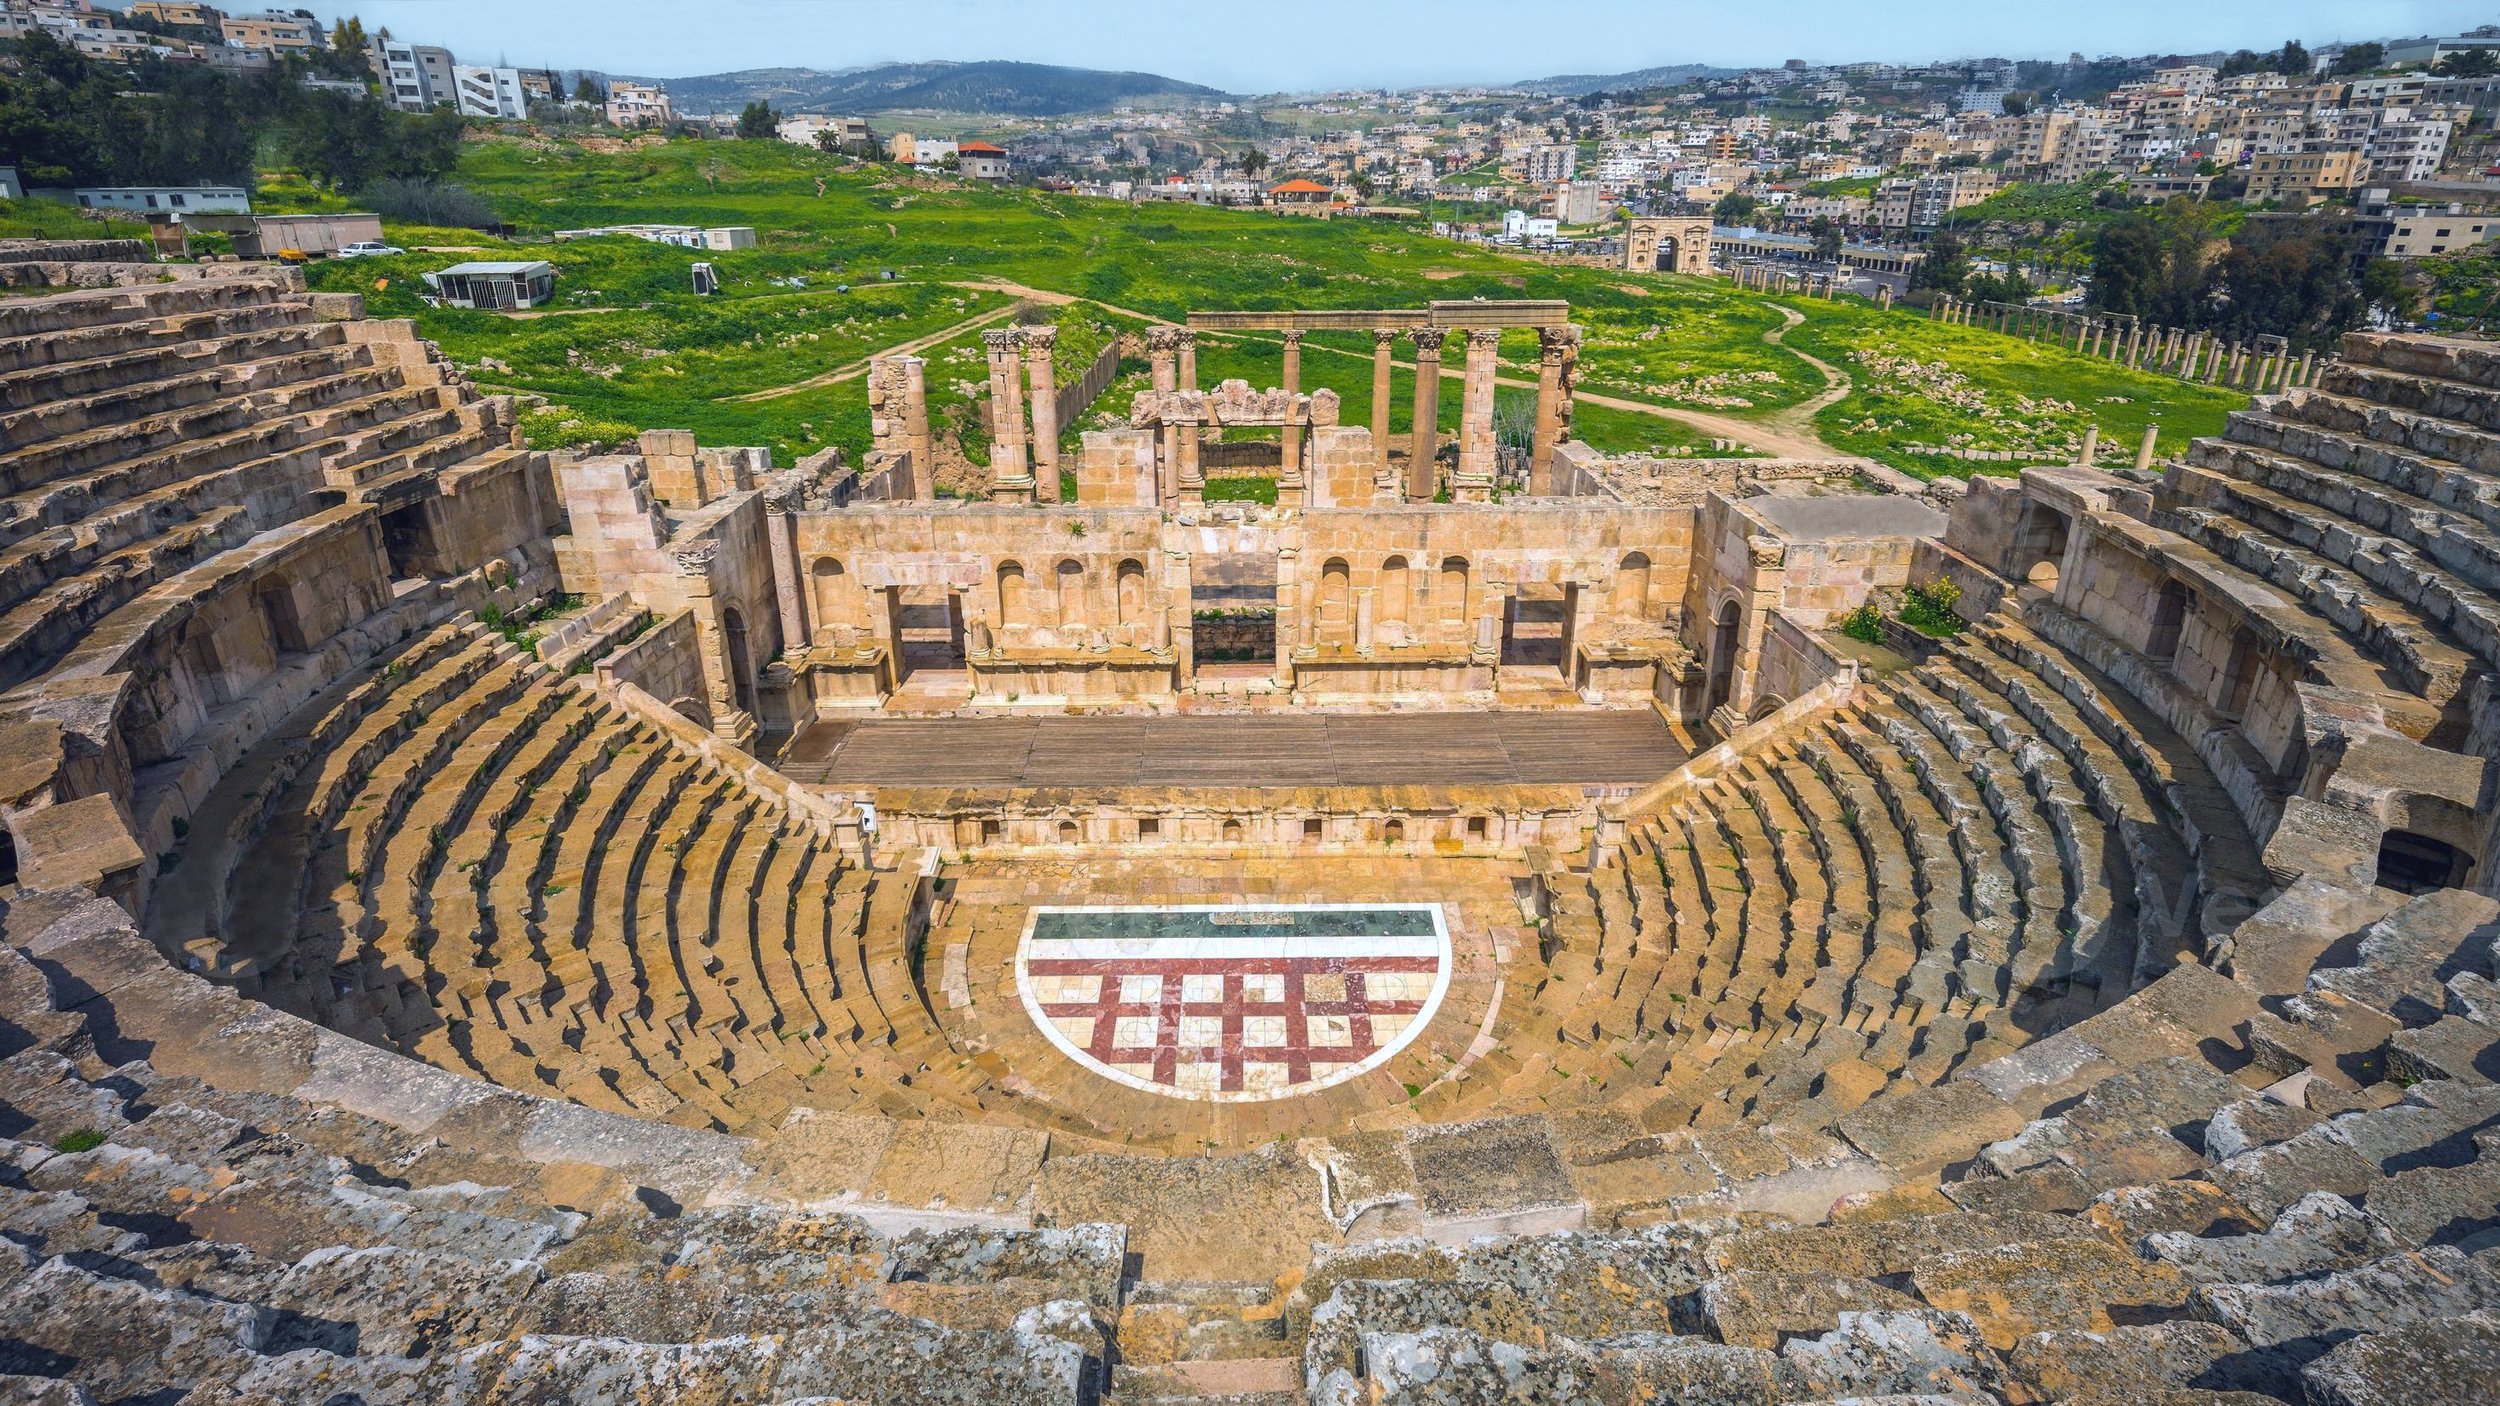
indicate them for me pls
(1572, 85)
(1012, 89)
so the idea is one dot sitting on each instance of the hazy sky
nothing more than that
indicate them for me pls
(1300, 45)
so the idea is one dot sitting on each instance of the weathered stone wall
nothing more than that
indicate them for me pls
(666, 662)
(1318, 822)
(1795, 658)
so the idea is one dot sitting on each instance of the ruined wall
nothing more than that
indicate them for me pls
(665, 661)
(1795, 659)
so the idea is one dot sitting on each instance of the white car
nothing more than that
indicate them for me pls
(365, 248)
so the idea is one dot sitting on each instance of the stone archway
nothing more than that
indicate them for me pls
(1726, 634)
(733, 629)
(1653, 245)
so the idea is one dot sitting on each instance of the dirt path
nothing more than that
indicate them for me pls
(1785, 434)
(852, 371)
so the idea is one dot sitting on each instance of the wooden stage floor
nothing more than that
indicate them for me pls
(1539, 748)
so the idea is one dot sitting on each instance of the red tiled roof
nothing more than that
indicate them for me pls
(978, 149)
(1299, 186)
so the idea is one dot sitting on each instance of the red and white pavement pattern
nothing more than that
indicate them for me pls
(1234, 1019)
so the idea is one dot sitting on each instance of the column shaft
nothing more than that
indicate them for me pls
(1040, 344)
(1424, 437)
(1473, 482)
(1383, 342)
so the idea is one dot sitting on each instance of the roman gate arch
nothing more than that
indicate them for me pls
(1654, 245)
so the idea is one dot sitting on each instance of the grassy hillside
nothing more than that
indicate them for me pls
(922, 256)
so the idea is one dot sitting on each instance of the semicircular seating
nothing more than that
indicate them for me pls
(485, 1039)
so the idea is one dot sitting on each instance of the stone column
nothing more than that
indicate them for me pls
(916, 428)
(2302, 378)
(1186, 340)
(2091, 445)
(2135, 342)
(1293, 361)
(1476, 444)
(1425, 435)
(1168, 471)
(1039, 345)
(1010, 482)
(2144, 451)
(1384, 341)
(1288, 614)
(787, 577)
(1162, 346)
(1193, 484)
(1290, 481)
(1552, 344)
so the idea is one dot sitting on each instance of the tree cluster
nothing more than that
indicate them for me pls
(68, 120)
(2287, 278)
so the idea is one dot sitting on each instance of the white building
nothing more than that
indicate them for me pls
(1519, 224)
(2404, 147)
(488, 92)
(808, 128)
(639, 105)
(180, 200)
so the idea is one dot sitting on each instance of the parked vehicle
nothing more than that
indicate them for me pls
(366, 248)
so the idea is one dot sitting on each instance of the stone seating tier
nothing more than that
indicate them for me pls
(492, 1042)
(2143, 1208)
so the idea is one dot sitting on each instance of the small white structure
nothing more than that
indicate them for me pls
(180, 200)
(718, 238)
(500, 285)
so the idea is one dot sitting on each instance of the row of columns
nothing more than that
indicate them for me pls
(1172, 353)
(1810, 283)
(1017, 356)
(2259, 367)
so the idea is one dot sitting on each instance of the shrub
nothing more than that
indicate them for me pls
(1864, 624)
(82, 1140)
(1928, 609)
(415, 202)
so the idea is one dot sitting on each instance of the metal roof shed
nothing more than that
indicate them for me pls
(499, 285)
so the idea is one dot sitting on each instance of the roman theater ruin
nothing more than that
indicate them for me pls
(495, 926)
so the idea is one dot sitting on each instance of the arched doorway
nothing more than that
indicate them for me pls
(2170, 609)
(733, 629)
(1394, 590)
(1336, 615)
(1012, 607)
(1631, 594)
(1450, 598)
(1071, 595)
(1723, 640)
(1132, 594)
(826, 589)
(2416, 863)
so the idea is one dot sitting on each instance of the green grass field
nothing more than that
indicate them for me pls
(1918, 382)
(634, 349)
